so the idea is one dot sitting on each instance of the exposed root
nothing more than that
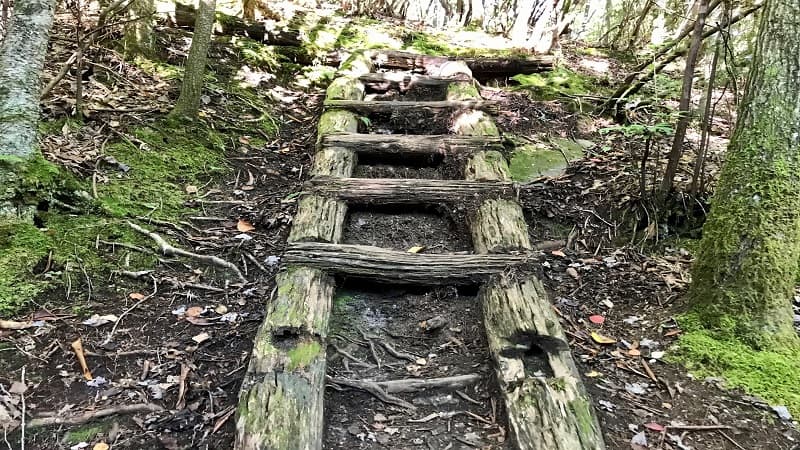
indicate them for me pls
(373, 388)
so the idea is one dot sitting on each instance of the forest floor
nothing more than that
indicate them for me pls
(173, 334)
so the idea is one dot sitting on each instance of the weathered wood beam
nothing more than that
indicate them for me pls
(480, 67)
(281, 399)
(380, 264)
(407, 191)
(394, 80)
(318, 219)
(499, 227)
(404, 107)
(227, 25)
(442, 144)
(547, 405)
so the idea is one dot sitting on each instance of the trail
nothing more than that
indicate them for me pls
(373, 342)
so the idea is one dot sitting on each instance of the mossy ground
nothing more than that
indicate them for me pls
(166, 157)
(772, 374)
(559, 82)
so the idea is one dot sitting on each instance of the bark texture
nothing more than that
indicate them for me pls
(428, 144)
(407, 191)
(745, 272)
(547, 404)
(21, 61)
(188, 103)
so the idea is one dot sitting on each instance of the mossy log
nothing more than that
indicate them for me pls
(227, 25)
(474, 123)
(388, 144)
(318, 219)
(385, 81)
(487, 166)
(546, 402)
(281, 399)
(405, 107)
(453, 68)
(407, 191)
(480, 67)
(357, 64)
(334, 162)
(337, 121)
(345, 88)
(499, 226)
(380, 264)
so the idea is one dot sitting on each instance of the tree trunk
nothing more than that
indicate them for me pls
(21, 61)
(519, 30)
(686, 98)
(139, 38)
(189, 101)
(744, 275)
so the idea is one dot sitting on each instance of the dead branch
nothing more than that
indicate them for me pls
(93, 415)
(421, 384)
(169, 250)
(373, 388)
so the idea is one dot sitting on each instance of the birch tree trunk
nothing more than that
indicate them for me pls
(21, 61)
(744, 274)
(189, 101)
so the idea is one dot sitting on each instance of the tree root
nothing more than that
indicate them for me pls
(169, 250)
(373, 388)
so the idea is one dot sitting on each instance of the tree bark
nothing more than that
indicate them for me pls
(745, 271)
(427, 144)
(676, 152)
(407, 191)
(188, 103)
(186, 16)
(21, 61)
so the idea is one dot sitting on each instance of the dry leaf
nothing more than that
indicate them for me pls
(558, 253)
(573, 273)
(202, 337)
(100, 446)
(600, 339)
(634, 352)
(244, 226)
(77, 347)
(194, 311)
(593, 374)
(136, 295)
(191, 189)
(673, 332)
(416, 249)
(597, 319)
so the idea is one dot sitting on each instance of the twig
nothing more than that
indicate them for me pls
(373, 388)
(730, 439)
(22, 431)
(92, 415)
(125, 313)
(59, 76)
(699, 427)
(169, 250)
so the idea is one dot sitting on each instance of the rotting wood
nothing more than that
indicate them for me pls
(345, 88)
(376, 144)
(404, 107)
(498, 227)
(334, 162)
(407, 191)
(357, 64)
(318, 219)
(474, 123)
(547, 405)
(337, 121)
(385, 81)
(228, 25)
(421, 384)
(380, 264)
(487, 166)
(480, 67)
(280, 403)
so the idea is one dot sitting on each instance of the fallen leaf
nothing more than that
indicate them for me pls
(634, 352)
(100, 446)
(97, 320)
(600, 339)
(18, 387)
(191, 189)
(673, 332)
(244, 140)
(558, 253)
(244, 226)
(202, 337)
(136, 295)
(416, 249)
(597, 319)
(221, 309)
(652, 426)
(593, 374)
(194, 311)
(573, 273)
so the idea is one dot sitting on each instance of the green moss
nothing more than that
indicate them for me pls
(158, 69)
(529, 162)
(557, 83)
(21, 247)
(255, 54)
(583, 414)
(771, 374)
(84, 433)
(302, 355)
(462, 91)
(428, 44)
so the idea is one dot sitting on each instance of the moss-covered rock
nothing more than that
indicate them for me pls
(529, 162)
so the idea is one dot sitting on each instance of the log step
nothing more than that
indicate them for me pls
(438, 144)
(408, 191)
(380, 264)
(405, 107)
(392, 80)
(481, 67)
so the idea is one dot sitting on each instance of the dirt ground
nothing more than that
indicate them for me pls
(183, 347)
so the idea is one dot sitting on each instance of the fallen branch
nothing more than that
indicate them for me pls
(373, 388)
(169, 250)
(421, 384)
(93, 415)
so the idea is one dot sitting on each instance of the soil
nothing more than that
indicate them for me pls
(401, 227)
(444, 418)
